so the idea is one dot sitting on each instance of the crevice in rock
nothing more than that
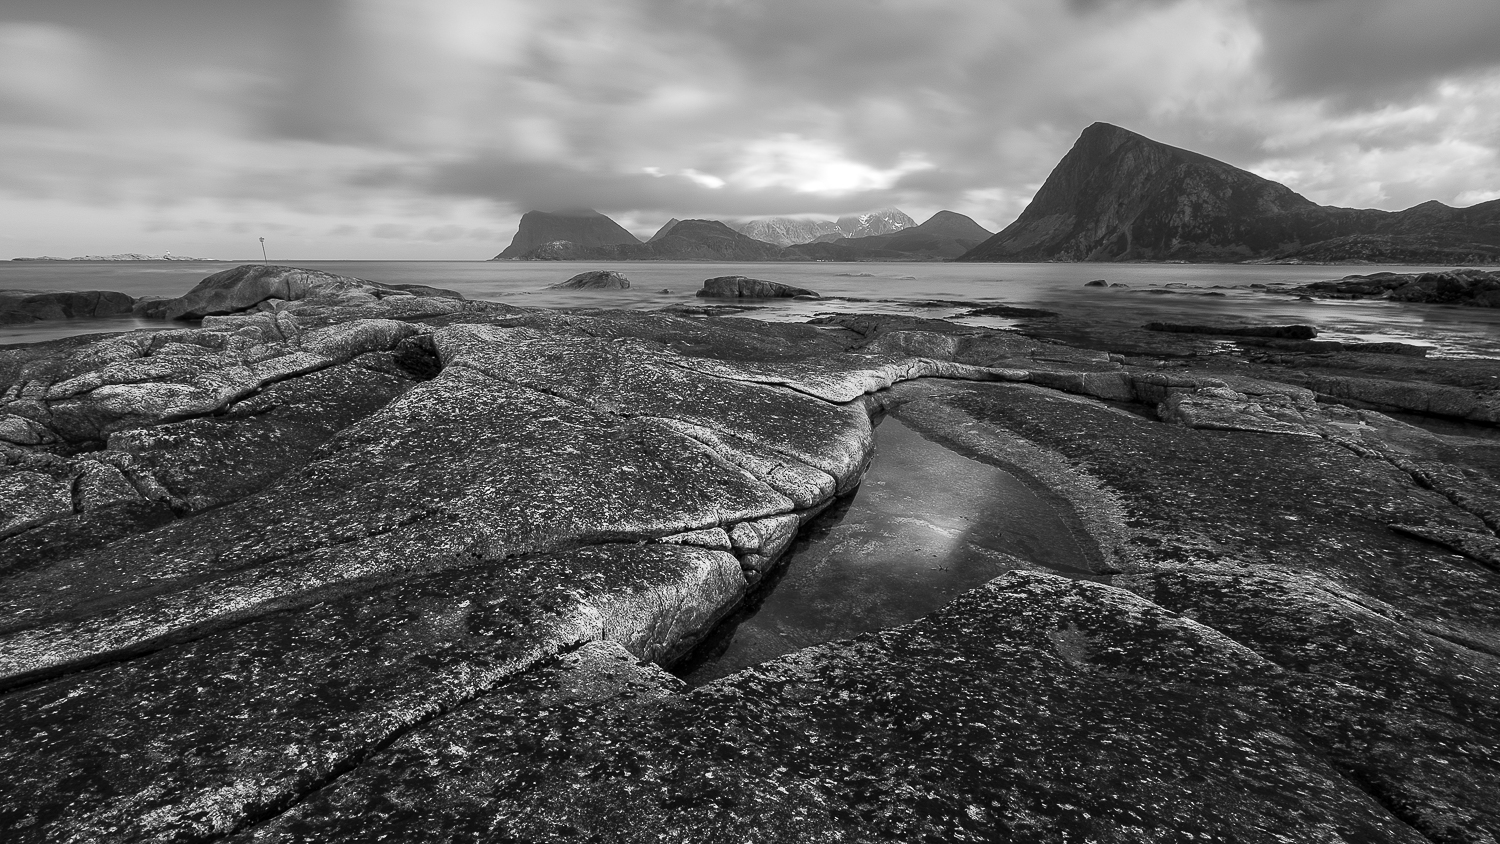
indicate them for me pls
(1382, 795)
(268, 814)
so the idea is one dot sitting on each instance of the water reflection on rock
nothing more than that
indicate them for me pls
(926, 525)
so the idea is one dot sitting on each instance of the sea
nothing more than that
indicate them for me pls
(1166, 292)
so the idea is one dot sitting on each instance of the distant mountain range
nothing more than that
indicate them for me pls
(1116, 196)
(1119, 196)
(888, 235)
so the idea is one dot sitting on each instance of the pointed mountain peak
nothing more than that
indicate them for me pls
(665, 230)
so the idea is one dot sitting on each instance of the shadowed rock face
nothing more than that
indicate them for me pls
(21, 306)
(337, 572)
(1118, 196)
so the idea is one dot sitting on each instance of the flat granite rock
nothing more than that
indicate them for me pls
(368, 564)
(1391, 644)
(1034, 708)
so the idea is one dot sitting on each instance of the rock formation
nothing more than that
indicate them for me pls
(593, 280)
(22, 306)
(1118, 196)
(358, 567)
(584, 228)
(742, 287)
(1474, 288)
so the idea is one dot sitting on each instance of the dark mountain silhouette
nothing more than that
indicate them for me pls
(584, 227)
(1119, 196)
(688, 240)
(946, 234)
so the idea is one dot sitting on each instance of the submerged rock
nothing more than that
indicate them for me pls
(741, 287)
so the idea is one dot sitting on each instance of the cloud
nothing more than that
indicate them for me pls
(420, 125)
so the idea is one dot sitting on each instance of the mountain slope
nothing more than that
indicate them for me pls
(584, 227)
(1119, 196)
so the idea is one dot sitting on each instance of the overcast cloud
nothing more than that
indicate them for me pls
(423, 128)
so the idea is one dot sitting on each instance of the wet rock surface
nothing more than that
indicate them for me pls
(361, 565)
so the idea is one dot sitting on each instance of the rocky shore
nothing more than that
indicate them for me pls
(351, 562)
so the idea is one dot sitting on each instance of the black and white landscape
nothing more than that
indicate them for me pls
(1054, 421)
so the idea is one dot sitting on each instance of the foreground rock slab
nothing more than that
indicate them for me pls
(365, 566)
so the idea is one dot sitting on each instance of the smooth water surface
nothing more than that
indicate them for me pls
(926, 525)
(1183, 292)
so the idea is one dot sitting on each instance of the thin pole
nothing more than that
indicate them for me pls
(263, 258)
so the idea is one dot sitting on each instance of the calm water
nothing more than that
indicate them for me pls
(1183, 292)
(925, 525)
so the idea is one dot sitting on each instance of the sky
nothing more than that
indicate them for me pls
(423, 129)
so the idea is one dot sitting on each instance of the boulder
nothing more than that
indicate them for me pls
(743, 287)
(1098, 282)
(594, 280)
(262, 286)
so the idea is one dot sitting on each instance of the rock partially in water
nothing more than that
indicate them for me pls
(1474, 288)
(1291, 332)
(594, 280)
(742, 287)
(252, 286)
(22, 306)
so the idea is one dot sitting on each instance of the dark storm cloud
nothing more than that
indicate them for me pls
(1375, 50)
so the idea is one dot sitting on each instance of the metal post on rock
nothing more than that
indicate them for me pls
(263, 258)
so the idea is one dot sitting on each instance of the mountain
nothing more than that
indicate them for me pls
(790, 231)
(688, 240)
(662, 232)
(786, 231)
(585, 228)
(1119, 196)
(884, 221)
(945, 235)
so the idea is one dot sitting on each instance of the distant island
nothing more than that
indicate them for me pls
(884, 235)
(124, 256)
(1116, 196)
